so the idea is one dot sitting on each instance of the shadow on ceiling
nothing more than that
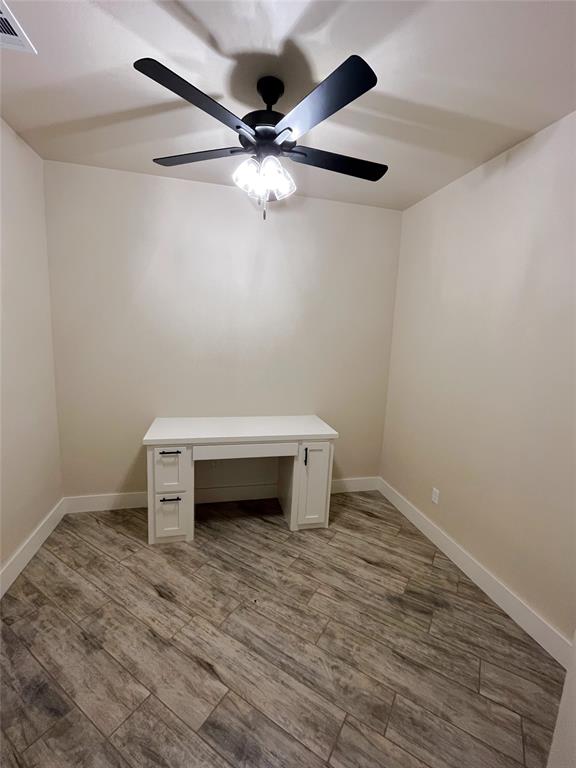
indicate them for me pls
(374, 114)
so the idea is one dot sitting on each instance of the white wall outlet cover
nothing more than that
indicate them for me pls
(435, 495)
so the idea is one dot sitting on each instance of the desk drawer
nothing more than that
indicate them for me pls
(170, 464)
(170, 514)
(244, 450)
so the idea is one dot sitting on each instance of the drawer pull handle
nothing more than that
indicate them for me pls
(169, 453)
(162, 500)
(305, 457)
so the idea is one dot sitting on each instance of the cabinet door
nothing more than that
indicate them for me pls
(315, 474)
(170, 468)
(170, 514)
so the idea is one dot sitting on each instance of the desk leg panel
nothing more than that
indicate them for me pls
(190, 505)
(151, 500)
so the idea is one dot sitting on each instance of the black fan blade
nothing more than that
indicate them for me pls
(195, 157)
(351, 166)
(349, 81)
(164, 76)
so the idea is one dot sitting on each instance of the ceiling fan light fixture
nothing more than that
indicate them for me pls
(264, 181)
(265, 134)
(246, 175)
(278, 180)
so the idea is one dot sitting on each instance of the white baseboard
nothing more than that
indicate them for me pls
(354, 484)
(531, 622)
(100, 502)
(235, 493)
(26, 551)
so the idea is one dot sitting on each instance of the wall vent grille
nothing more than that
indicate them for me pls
(11, 33)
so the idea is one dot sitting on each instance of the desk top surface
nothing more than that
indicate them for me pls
(236, 429)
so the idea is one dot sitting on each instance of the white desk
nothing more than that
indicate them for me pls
(304, 445)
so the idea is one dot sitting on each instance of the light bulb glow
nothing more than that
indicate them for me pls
(246, 174)
(264, 181)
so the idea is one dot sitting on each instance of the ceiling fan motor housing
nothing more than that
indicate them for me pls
(270, 89)
(263, 121)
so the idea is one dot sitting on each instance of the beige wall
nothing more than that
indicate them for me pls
(30, 446)
(481, 390)
(172, 297)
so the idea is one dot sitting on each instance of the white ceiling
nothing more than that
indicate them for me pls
(458, 82)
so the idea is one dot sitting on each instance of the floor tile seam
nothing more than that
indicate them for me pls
(250, 553)
(366, 540)
(216, 563)
(309, 556)
(283, 672)
(68, 697)
(520, 714)
(431, 712)
(401, 746)
(461, 729)
(78, 573)
(308, 559)
(98, 547)
(113, 658)
(336, 740)
(515, 670)
(129, 715)
(261, 711)
(371, 638)
(93, 514)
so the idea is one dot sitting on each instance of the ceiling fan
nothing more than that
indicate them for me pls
(267, 135)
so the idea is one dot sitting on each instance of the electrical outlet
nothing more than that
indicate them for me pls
(435, 495)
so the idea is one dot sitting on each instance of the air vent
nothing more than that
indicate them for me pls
(11, 33)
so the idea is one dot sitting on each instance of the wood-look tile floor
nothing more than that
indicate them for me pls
(357, 646)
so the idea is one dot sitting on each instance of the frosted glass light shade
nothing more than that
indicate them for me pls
(264, 181)
(246, 175)
(277, 180)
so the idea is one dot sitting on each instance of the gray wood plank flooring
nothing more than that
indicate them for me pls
(246, 737)
(154, 736)
(337, 681)
(356, 646)
(31, 701)
(103, 689)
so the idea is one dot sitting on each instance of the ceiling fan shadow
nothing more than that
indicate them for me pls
(107, 132)
(108, 120)
(290, 65)
(422, 125)
(185, 16)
